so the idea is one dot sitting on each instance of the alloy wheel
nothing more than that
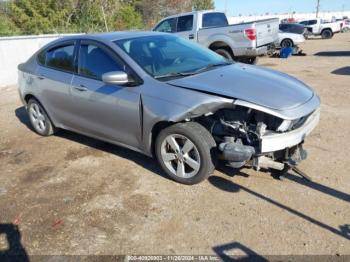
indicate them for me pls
(180, 155)
(37, 117)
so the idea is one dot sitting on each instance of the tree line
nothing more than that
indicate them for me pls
(26, 17)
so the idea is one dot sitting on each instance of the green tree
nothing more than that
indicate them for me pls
(203, 4)
(7, 27)
(94, 15)
(127, 18)
(36, 17)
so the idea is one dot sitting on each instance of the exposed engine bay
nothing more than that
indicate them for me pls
(238, 132)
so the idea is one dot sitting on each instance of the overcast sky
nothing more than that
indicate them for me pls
(246, 7)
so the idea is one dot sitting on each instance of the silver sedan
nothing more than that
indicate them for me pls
(165, 96)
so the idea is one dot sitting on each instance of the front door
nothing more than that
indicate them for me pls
(185, 27)
(106, 111)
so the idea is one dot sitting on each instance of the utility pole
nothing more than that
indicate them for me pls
(317, 8)
(226, 7)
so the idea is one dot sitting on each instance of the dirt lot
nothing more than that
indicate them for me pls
(70, 194)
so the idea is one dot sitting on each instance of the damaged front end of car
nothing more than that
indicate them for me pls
(249, 137)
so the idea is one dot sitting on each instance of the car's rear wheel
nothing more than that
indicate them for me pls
(225, 53)
(249, 60)
(39, 119)
(327, 34)
(186, 152)
(287, 43)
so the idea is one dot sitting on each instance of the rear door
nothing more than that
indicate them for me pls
(266, 31)
(314, 26)
(185, 27)
(106, 111)
(54, 77)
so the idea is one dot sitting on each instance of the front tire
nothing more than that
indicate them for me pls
(327, 34)
(186, 152)
(39, 119)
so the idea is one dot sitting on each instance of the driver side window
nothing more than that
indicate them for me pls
(95, 61)
(167, 26)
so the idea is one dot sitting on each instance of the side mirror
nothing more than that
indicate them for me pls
(115, 78)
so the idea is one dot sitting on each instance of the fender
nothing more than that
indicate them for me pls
(190, 104)
(220, 38)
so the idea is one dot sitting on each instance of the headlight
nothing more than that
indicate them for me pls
(286, 124)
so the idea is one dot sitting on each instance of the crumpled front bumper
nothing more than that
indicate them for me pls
(279, 141)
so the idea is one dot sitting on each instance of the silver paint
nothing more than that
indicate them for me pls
(127, 115)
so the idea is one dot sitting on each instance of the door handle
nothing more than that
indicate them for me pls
(191, 36)
(81, 88)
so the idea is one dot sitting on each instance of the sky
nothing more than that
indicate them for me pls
(258, 7)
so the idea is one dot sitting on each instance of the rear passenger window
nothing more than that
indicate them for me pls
(94, 62)
(214, 20)
(185, 23)
(61, 58)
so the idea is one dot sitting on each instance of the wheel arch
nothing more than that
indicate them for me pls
(156, 129)
(29, 96)
(327, 28)
(220, 41)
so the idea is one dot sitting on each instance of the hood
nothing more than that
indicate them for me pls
(258, 85)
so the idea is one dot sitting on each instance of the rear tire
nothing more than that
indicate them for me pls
(186, 152)
(249, 60)
(39, 119)
(327, 34)
(287, 43)
(225, 53)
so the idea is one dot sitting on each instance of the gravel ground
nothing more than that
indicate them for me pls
(69, 194)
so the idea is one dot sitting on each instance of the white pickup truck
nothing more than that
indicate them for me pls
(317, 27)
(241, 42)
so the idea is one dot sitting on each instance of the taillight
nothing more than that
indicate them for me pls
(250, 34)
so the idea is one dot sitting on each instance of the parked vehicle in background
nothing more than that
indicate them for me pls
(289, 39)
(346, 26)
(340, 22)
(288, 20)
(164, 96)
(317, 27)
(240, 42)
(293, 28)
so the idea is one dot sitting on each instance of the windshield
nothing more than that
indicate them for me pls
(165, 56)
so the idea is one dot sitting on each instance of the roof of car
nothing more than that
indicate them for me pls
(113, 36)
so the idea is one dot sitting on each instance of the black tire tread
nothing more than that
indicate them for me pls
(51, 128)
(206, 146)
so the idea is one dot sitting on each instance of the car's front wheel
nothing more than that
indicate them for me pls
(186, 152)
(39, 118)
